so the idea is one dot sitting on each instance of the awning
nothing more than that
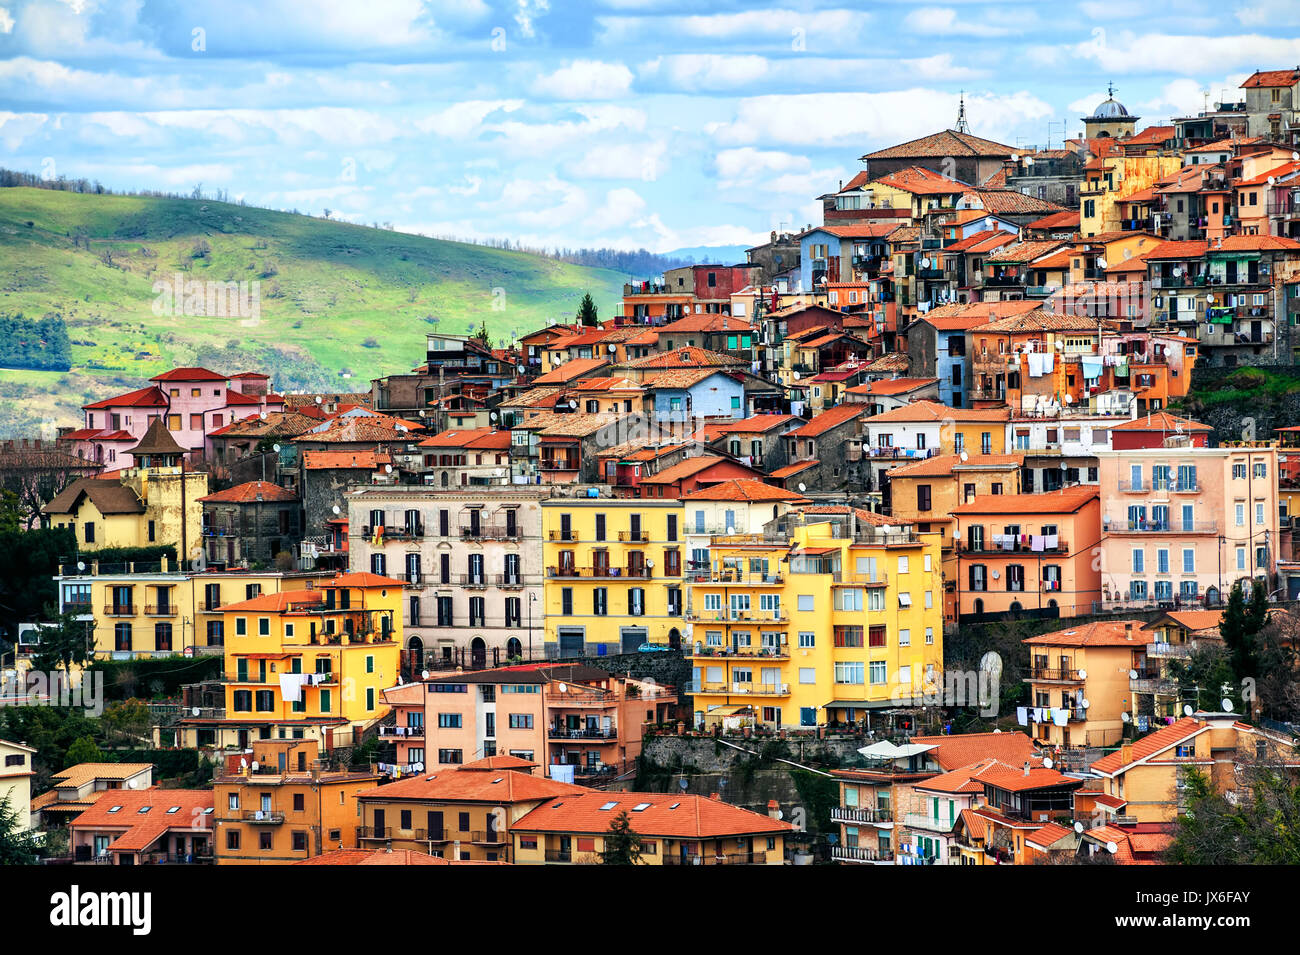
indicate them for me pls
(729, 710)
(887, 750)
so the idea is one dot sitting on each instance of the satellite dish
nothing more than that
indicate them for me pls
(1125, 717)
(1068, 400)
(573, 404)
(1083, 674)
(1272, 181)
(650, 563)
(1112, 848)
(722, 783)
(335, 509)
(1101, 262)
(925, 262)
(802, 487)
(1177, 270)
(1085, 704)
(683, 784)
(1078, 827)
(1295, 157)
(319, 399)
(1187, 709)
(612, 348)
(195, 712)
(564, 688)
(1226, 704)
(388, 469)
(1015, 157)
(1029, 160)
(1047, 762)
(134, 784)
(81, 565)
(1132, 674)
(492, 416)
(256, 765)
(275, 448)
(243, 763)
(424, 674)
(997, 574)
(964, 456)
(262, 415)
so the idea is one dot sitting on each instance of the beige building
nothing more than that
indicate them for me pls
(470, 560)
(16, 780)
(1079, 682)
(77, 788)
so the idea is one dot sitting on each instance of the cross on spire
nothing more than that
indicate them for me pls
(1110, 89)
(962, 125)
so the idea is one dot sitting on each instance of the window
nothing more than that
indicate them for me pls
(451, 757)
(879, 672)
(878, 637)
(849, 636)
(849, 673)
(1189, 560)
(521, 721)
(449, 721)
(805, 603)
(807, 639)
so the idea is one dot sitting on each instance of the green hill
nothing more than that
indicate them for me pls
(335, 298)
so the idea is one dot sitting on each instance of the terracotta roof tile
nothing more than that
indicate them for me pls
(249, 493)
(1097, 633)
(651, 814)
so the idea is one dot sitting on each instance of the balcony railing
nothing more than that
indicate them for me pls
(563, 535)
(401, 732)
(1160, 527)
(1179, 651)
(845, 814)
(737, 616)
(263, 817)
(119, 610)
(559, 855)
(474, 581)
(861, 854)
(729, 858)
(602, 573)
(560, 732)
(740, 689)
(1056, 674)
(374, 832)
(1171, 486)
(1153, 684)
(641, 537)
(155, 610)
(923, 820)
(747, 653)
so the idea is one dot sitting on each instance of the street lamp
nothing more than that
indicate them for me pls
(532, 598)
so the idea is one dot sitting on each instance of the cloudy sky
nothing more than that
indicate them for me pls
(656, 123)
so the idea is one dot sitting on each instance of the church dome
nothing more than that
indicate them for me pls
(1110, 109)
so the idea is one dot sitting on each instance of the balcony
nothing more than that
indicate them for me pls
(638, 537)
(869, 816)
(488, 838)
(494, 532)
(1151, 681)
(861, 854)
(729, 858)
(1160, 527)
(923, 820)
(508, 581)
(743, 653)
(737, 616)
(740, 689)
(993, 549)
(1156, 487)
(407, 532)
(119, 610)
(703, 575)
(560, 732)
(563, 535)
(602, 573)
(1054, 675)
(159, 610)
(401, 732)
(473, 581)
(559, 855)
(263, 817)
(369, 833)
(1177, 651)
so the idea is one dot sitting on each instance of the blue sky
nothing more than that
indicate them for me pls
(580, 122)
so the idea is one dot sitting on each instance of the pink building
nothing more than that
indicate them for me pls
(1180, 525)
(194, 402)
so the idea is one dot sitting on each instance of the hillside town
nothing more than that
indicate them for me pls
(899, 543)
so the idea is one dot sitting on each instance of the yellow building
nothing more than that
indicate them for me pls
(1110, 181)
(152, 608)
(613, 574)
(318, 655)
(818, 620)
(140, 506)
(280, 806)
(16, 781)
(1079, 683)
(1146, 780)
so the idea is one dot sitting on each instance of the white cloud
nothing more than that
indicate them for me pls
(6, 21)
(620, 207)
(929, 21)
(585, 79)
(1128, 52)
(1108, 10)
(636, 160)
(747, 165)
(695, 71)
(854, 120)
(527, 11)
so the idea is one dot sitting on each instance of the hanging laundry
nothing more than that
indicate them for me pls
(1022, 715)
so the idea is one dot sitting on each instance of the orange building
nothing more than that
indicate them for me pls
(277, 805)
(1028, 552)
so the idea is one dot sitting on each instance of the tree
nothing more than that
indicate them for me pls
(587, 311)
(84, 750)
(17, 846)
(1241, 622)
(128, 721)
(1253, 829)
(65, 640)
(622, 845)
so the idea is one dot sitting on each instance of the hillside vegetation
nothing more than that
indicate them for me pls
(335, 299)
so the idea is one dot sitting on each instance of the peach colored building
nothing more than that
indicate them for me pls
(1028, 552)
(1182, 524)
(563, 716)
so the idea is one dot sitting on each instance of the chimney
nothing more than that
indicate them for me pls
(1126, 753)
(388, 846)
(715, 796)
(1026, 767)
(773, 809)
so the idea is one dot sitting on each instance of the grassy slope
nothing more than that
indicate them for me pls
(336, 286)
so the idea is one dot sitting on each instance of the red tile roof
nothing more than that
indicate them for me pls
(981, 241)
(1098, 633)
(948, 142)
(572, 369)
(686, 468)
(657, 815)
(1150, 745)
(741, 489)
(250, 492)
(459, 785)
(892, 386)
(962, 749)
(926, 410)
(1065, 501)
(1161, 421)
(151, 397)
(688, 357)
(189, 374)
(828, 419)
(352, 460)
(1271, 78)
